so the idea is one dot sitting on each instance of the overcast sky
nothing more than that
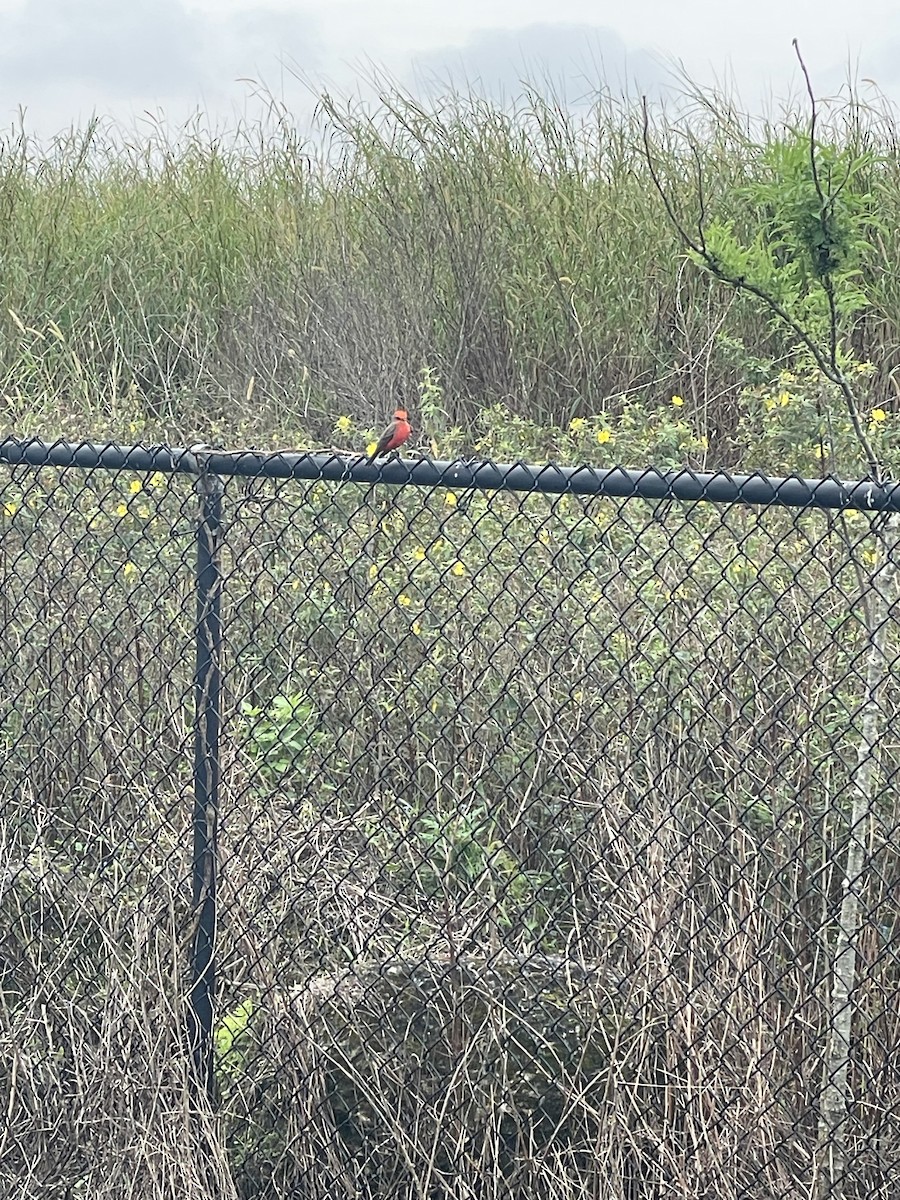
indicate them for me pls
(62, 60)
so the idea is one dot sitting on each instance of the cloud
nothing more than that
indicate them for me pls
(249, 42)
(135, 50)
(572, 59)
(123, 48)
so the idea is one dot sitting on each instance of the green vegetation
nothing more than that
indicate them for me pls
(246, 289)
(535, 809)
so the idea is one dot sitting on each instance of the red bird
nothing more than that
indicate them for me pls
(395, 434)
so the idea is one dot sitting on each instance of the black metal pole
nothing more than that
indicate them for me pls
(207, 691)
(719, 487)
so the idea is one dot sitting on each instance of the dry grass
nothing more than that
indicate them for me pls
(539, 902)
(522, 255)
(533, 809)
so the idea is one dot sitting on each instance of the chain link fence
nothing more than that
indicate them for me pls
(445, 830)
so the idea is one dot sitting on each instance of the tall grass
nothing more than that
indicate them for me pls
(522, 255)
(532, 816)
(532, 809)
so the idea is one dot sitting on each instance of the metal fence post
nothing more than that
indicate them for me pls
(207, 691)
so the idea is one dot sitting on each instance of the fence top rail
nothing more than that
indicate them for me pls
(648, 483)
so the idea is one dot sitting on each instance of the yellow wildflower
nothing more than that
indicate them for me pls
(404, 601)
(129, 569)
(343, 424)
(451, 500)
(458, 570)
(577, 424)
(135, 486)
(419, 554)
(784, 399)
(122, 509)
(878, 415)
(157, 479)
(417, 628)
(605, 436)
(678, 401)
(373, 571)
(10, 509)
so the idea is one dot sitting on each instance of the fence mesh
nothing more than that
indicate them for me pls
(532, 845)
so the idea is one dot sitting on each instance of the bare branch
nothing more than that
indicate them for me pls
(813, 114)
(826, 362)
(701, 198)
(697, 247)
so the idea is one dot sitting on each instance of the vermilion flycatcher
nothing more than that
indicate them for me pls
(395, 435)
